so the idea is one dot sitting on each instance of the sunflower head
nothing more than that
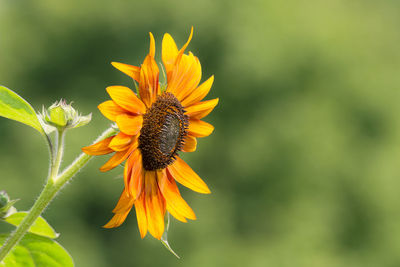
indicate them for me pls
(163, 133)
(155, 125)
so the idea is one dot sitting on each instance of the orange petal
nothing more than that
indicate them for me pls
(141, 215)
(129, 70)
(155, 205)
(117, 159)
(99, 148)
(126, 99)
(148, 83)
(190, 144)
(122, 141)
(172, 196)
(152, 49)
(201, 109)
(183, 174)
(199, 93)
(133, 176)
(117, 220)
(198, 128)
(185, 77)
(169, 54)
(128, 124)
(182, 50)
(110, 110)
(128, 170)
(124, 204)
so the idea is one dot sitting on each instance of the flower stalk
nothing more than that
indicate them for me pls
(53, 185)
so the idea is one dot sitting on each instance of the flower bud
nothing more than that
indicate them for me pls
(4, 198)
(61, 115)
(6, 205)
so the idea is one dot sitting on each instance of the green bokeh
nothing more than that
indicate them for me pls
(304, 161)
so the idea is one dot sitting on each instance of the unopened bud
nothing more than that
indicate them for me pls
(6, 205)
(63, 116)
(4, 198)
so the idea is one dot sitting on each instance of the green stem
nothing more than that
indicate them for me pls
(54, 183)
(79, 162)
(41, 203)
(59, 154)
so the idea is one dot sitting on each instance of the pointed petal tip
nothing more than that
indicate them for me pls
(130, 70)
(103, 169)
(111, 224)
(152, 49)
(109, 88)
(191, 33)
(167, 35)
(142, 236)
(119, 66)
(204, 190)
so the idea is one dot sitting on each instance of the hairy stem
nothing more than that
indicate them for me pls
(54, 184)
(55, 166)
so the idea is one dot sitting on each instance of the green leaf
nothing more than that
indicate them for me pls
(14, 107)
(36, 251)
(39, 227)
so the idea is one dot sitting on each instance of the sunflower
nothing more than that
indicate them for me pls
(154, 125)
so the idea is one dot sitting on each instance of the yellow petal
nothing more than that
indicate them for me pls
(201, 109)
(169, 54)
(129, 70)
(128, 124)
(141, 215)
(183, 174)
(192, 79)
(182, 50)
(199, 93)
(110, 110)
(152, 49)
(117, 159)
(172, 196)
(155, 205)
(190, 144)
(198, 128)
(148, 83)
(176, 215)
(122, 141)
(126, 99)
(99, 148)
(185, 76)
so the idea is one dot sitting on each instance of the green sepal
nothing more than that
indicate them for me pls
(7, 208)
(164, 238)
(62, 116)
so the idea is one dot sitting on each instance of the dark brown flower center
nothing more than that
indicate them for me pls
(163, 132)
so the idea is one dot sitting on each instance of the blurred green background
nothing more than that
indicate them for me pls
(304, 161)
